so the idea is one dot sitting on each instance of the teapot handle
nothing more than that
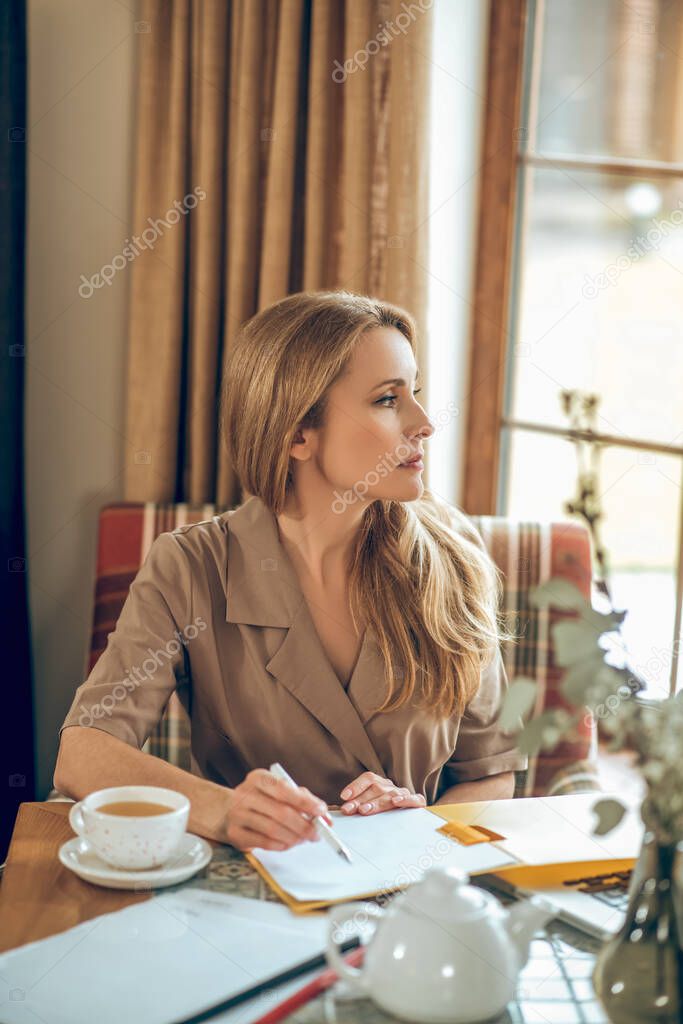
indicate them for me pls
(339, 916)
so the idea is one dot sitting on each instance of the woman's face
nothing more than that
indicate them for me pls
(374, 423)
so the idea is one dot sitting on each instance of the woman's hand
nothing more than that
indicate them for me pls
(370, 793)
(267, 812)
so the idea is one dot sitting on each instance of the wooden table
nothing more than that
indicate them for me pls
(40, 897)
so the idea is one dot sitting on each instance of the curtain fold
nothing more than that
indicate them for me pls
(305, 124)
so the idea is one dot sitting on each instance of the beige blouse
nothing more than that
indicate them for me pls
(217, 613)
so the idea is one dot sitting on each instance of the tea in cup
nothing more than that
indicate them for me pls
(132, 827)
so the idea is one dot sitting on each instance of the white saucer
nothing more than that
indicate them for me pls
(78, 855)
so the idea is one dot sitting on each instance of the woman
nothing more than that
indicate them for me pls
(341, 621)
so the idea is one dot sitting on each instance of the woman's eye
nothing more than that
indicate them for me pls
(392, 398)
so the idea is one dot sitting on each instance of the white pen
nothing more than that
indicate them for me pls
(323, 829)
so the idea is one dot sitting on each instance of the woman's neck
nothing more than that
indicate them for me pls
(319, 542)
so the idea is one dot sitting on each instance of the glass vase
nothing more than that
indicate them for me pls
(638, 975)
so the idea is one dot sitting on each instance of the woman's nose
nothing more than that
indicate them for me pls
(426, 428)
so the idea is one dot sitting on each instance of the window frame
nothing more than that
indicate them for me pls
(513, 75)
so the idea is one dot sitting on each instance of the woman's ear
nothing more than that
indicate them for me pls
(301, 445)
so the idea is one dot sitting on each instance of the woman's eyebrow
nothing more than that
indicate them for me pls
(395, 380)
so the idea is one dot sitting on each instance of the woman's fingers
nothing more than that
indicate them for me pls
(389, 795)
(294, 821)
(393, 801)
(366, 797)
(383, 798)
(300, 798)
(409, 800)
(279, 830)
(387, 802)
(269, 807)
(363, 789)
(352, 791)
(285, 822)
(247, 839)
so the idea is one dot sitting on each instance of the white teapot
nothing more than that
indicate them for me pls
(443, 951)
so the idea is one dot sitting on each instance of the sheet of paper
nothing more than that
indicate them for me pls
(389, 850)
(555, 829)
(158, 961)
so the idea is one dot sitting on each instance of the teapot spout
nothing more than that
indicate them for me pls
(525, 919)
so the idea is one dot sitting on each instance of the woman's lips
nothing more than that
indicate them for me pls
(416, 464)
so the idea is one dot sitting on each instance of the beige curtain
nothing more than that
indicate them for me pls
(309, 182)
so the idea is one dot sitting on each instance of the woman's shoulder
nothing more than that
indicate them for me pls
(203, 539)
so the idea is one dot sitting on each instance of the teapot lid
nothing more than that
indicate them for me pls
(444, 892)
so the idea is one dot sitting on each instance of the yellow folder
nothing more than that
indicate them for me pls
(524, 827)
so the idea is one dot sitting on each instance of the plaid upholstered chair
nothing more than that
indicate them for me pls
(527, 553)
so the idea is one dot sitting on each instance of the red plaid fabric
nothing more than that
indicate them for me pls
(527, 553)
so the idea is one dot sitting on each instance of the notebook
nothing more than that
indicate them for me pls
(389, 850)
(159, 961)
(523, 840)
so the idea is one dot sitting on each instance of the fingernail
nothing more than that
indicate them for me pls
(397, 799)
(350, 806)
(346, 793)
(366, 807)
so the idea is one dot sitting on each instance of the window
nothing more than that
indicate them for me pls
(596, 296)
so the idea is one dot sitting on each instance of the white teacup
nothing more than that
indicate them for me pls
(129, 841)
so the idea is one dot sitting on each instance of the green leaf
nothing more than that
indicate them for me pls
(580, 678)
(601, 622)
(573, 642)
(609, 814)
(559, 593)
(540, 732)
(518, 702)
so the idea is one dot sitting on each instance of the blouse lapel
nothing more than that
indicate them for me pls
(263, 589)
(301, 665)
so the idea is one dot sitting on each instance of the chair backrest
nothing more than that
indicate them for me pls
(125, 535)
(527, 553)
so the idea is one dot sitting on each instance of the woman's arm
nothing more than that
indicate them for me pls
(90, 759)
(261, 811)
(493, 787)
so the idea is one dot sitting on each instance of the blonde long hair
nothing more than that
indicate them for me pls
(420, 577)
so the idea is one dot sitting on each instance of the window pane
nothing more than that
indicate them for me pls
(640, 497)
(611, 79)
(601, 303)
